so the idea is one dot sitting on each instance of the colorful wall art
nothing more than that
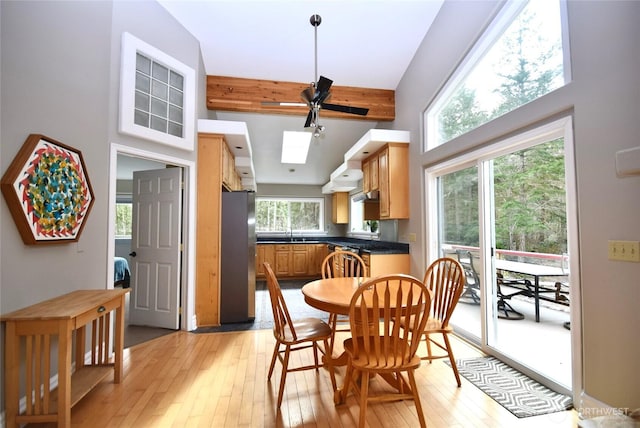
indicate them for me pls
(48, 191)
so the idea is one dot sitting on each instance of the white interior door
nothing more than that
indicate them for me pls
(155, 246)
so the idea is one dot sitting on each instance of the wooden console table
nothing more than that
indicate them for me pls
(31, 335)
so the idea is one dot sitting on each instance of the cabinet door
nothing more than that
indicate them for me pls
(317, 253)
(299, 260)
(383, 177)
(264, 253)
(283, 260)
(340, 209)
(374, 174)
(366, 178)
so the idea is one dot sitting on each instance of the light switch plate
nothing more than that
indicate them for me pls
(628, 251)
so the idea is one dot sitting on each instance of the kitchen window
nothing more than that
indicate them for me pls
(289, 215)
(357, 223)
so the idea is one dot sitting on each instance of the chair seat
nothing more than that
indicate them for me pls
(390, 362)
(434, 325)
(306, 329)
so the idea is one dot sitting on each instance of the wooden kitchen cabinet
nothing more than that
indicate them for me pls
(374, 174)
(370, 174)
(392, 180)
(264, 253)
(230, 178)
(282, 260)
(366, 176)
(297, 260)
(387, 264)
(215, 171)
(317, 253)
(340, 207)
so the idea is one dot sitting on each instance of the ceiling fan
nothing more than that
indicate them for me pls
(319, 91)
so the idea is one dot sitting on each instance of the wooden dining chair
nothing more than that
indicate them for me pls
(294, 335)
(380, 346)
(445, 278)
(342, 264)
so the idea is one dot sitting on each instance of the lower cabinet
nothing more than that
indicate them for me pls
(297, 260)
(283, 261)
(387, 264)
(264, 253)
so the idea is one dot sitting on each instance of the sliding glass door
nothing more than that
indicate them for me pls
(503, 215)
(459, 237)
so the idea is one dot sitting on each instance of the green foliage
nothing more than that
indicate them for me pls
(461, 114)
(529, 185)
(123, 219)
(280, 215)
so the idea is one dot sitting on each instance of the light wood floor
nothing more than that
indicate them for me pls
(219, 380)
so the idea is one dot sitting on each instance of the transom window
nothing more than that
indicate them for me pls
(518, 60)
(157, 95)
(279, 215)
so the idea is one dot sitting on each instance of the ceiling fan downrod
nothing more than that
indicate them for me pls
(315, 20)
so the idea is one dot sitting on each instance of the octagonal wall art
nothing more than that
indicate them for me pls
(48, 192)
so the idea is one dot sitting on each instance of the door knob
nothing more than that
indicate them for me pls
(133, 254)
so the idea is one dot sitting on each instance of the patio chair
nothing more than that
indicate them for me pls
(294, 335)
(471, 293)
(505, 310)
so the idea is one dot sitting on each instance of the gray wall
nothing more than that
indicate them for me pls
(604, 100)
(60, 73)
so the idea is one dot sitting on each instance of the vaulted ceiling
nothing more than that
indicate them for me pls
(360, 44)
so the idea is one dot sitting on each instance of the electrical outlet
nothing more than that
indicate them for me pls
(412, 237)
(628, 251)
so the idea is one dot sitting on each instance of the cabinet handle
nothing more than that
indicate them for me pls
(102, 309)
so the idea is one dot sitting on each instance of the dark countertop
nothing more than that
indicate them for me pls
(364, 245)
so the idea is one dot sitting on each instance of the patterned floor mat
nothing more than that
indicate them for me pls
(516, 392)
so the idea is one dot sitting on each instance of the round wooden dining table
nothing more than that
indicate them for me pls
(334, 295)
(331, 295)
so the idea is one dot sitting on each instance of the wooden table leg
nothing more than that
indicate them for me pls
(12, 374)
(119, 341)
(64, 373)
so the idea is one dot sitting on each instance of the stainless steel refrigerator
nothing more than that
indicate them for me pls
(238, 257)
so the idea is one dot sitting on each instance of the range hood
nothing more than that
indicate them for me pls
(369, 196)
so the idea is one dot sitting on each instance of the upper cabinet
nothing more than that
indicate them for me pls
(340, 207)
(390, 166)
(384, 158)
(237, 163)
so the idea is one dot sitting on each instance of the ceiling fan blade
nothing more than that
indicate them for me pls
(322, 90)
(307, 95)
(282, 104)
(309, 117)
(346, 109)
(324, 84)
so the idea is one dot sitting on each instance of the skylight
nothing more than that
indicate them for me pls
(295, 146)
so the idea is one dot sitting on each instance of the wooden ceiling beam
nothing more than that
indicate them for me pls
(252, 95)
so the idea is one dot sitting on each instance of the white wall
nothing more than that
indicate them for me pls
(604, 100)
